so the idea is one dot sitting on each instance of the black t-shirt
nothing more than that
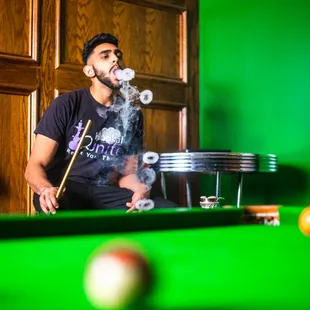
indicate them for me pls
(115, 132)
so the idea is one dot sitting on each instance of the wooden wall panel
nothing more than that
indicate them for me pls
(180, 3)
(48, 53)
(18, 22)
(18, 78)
(166, 5)
(19, 72)
(81, 20)
(14, 152)
(142, 32)
(163, 90)
(15, 26)
(133, 42)
(163, 57)
(165, 131)
(162, 133)
(150, 48)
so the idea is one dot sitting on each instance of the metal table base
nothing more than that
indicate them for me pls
(218, 162)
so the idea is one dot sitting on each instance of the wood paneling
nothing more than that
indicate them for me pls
(142, 33)
(18, 22)
(81, 20)
(14, 152)
(167, 5)
(18, 78)
(161, 134)
(179, 3)
(19, 81)
(40, 57)
(162, 48)
(48, 53)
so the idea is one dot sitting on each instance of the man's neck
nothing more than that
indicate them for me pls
(102, 94)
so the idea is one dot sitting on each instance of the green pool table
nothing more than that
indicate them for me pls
(201, 259)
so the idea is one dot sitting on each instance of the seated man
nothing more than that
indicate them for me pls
(104, 173)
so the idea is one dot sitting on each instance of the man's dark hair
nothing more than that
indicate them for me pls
(98, 39)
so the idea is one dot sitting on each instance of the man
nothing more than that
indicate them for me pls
(104, 173)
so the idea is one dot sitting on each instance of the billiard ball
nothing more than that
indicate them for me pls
(304, 221)
(117, 277)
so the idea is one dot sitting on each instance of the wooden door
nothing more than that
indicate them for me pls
(40, 58)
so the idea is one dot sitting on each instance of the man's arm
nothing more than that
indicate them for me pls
(140, 189)
(43, 152)
(131, 181)
(129, 178)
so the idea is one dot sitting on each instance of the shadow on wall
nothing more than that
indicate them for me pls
(219, 130)
(4, 188)
(219, 120)
(288, 186)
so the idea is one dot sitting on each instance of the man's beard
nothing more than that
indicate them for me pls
(101, 76)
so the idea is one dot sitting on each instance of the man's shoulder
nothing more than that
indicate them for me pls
(72, 95)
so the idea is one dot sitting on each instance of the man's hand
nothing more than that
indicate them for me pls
(130, 165)
(48, 201)
(132, 182)
(136, 197)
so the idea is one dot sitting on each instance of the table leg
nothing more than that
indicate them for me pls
(163, 184)
(188, 193)
(240, 182)
(218, 184)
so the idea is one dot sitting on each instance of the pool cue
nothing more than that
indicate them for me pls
(64, 179)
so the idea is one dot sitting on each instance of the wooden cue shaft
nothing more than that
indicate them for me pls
(64, 179)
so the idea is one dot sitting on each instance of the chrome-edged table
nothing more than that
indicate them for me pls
(214, 162)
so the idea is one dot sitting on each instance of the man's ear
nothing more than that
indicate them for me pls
(89, 71)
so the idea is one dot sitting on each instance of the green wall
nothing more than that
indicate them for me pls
(255, 93)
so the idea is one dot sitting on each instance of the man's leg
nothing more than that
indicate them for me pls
(110, 197)
(113, 198)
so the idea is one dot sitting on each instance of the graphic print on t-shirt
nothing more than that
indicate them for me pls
(106, 144)
(73, 144)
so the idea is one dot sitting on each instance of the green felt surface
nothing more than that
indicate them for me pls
(224, 267)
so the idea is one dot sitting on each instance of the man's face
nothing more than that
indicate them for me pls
(105, 60)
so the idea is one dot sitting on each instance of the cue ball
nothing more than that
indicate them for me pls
(116, 278)
(304, 221)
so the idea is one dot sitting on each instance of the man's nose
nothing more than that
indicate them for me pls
(114, 58)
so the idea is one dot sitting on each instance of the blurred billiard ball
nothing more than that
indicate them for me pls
(117, 277)
(304, 221)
